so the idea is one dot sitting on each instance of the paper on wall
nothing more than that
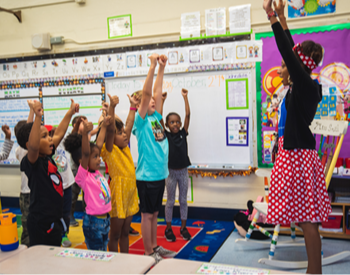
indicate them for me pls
(190, 25)
(215, 21)
(240, 19)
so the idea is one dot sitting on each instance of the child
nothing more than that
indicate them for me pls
(7, 147)
(62, 160)
(96, 220)
(45, 182)
(178, 163)
(24, 196)
(116, 153)
(152, 167)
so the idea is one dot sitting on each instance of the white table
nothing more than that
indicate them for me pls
(6, 255)
(42, 259)
(174, 266)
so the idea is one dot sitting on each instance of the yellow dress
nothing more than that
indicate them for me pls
(123, 181)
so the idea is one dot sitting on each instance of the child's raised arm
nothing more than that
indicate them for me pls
(102, 135)
(34, 136)
(111, 128)
(31, 111)
(184, 93)
(7, 147)
(131, 117)
(63, 126)
(164, 96)
(85, 145)
(147, 87)
(158, 85)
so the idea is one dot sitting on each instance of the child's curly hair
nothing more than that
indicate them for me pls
(23, 134)
(19, 125)
(72, 143)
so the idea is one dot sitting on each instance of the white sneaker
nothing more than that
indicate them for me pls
(156, 256)
(165, 253)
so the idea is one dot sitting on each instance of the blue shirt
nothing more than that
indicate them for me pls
(153, 148)
(282, 116)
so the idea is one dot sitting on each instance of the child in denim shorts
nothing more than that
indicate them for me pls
(97, 195)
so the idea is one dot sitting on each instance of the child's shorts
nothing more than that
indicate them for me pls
(96, 232)
(151, 195)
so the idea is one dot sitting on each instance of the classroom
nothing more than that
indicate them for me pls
(187, 137)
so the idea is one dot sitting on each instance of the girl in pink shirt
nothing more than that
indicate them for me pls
(97, 195)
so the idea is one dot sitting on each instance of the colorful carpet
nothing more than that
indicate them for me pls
(207, 237)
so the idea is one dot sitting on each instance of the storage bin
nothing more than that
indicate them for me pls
(334, 219)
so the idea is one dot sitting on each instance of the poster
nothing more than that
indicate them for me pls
(237, 94)
(119, 26)
(333, 74)
(190, 25)
(209, 268)
(240, 19)
(269, 142)
(303, 8)
(189, 192)
(237, 131)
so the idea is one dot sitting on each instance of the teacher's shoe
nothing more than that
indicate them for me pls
(164, 253)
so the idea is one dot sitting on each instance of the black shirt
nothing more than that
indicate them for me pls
(301, 100)
(46, 189)
(178, 155)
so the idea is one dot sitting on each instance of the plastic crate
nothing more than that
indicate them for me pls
(334, 219)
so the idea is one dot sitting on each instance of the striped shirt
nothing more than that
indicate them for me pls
(6, 149)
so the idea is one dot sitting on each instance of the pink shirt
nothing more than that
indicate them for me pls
(97, 194)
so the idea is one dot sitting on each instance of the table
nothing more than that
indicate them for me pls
(174, 266)
(6, 255)
(43, 259)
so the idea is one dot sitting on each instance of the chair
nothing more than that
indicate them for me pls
(324, 127)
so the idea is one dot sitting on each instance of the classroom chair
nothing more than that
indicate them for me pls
(325, 128)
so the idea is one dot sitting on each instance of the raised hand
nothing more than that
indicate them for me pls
(279, 8)
(164, 96)
(154, 57)
(104, 108)
(74, 107)
(37, 108)
(107, 121)
(6, 131)
(30, 103)
(133, 100)
(184, 92)
(87, 127)
(162, 60)
(267, 5)
(114, 100)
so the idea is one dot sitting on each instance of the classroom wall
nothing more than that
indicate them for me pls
(154, 21)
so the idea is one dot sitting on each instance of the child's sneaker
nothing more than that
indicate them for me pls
(156, 256)
(169, 235)
(164, 253)
(133, 232)
(65, 241)
(185, 234)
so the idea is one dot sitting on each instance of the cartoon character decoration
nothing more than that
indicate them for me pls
(296, 4)
(34, 64)
(251, 49)
(256, 51)
(272, 110)
(55, 178)
(158, 131)
(104, 195)
(44, 64)
(64, 62)
(86, 61)
(140, 60)
(109, 58)
(54, 63)
(324, 3)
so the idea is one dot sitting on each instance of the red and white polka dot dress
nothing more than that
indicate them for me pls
(297, 188)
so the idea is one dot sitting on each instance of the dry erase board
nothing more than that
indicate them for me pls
(209, 95)
(13, 108)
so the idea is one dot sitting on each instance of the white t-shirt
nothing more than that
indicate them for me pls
(62, 160)
(20, 154)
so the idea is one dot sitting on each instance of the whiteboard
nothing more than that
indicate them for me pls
(207, 139)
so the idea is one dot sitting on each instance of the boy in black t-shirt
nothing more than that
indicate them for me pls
(45, 182)
(178, 174)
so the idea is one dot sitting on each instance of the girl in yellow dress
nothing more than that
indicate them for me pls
(113, 140)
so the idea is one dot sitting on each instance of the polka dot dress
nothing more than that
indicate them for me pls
(298, 189)
(123, 184)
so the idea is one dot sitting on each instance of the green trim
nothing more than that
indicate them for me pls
(259, 36)
(247, 94)
(61, 109)
(204, 36)
(328, 28)
(127, 35)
